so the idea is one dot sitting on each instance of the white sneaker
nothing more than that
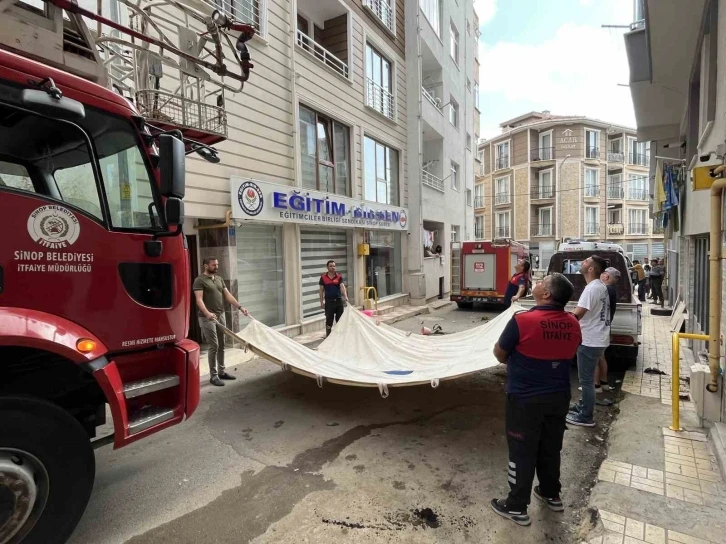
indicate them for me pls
(597, 389)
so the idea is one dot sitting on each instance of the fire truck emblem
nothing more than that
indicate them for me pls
(249, 197)
(53, 227)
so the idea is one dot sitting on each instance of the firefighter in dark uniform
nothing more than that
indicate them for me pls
(518, 283)
(332, 295)
(537, 346)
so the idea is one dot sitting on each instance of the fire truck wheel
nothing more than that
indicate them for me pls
(47, 469)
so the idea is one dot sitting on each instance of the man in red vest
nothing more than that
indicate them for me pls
(332, 295)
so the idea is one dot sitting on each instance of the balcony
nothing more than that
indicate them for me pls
(502, 198)
(478, 202)
(638, 194)
(503, 232)
(616, 229)
(435, 182)
(592, 191)
(638, 229)
(383, 11)
(540, 192)
(658, 230)
(542, 154)
(592, 229)
(379, 99)
(431, 97)
(322, 54)
(616, 157)
(479, 233)
(638, 159)
(615, 192)
(501, 162)
(542, 229)
(592, 152)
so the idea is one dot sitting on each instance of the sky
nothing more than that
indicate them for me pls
(553, 55)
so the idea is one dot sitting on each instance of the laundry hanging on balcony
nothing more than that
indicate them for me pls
(361, 352)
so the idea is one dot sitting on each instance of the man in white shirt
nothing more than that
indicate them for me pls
(593, 311)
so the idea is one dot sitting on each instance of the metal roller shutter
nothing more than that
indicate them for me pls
(317, 247)
(657, 249)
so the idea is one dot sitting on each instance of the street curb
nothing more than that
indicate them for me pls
(717, 433)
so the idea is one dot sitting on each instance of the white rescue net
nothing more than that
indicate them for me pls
(361, 352)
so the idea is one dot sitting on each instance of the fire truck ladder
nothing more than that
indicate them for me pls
(171, 60)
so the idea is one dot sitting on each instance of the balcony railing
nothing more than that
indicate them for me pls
(638, 228)
(615, 192)
(542, 154)
(637, 194)
(542, 191)
(658, 229)
(322, 54)
(542, 229)
(479, 233)
(435, 102)
(478, 201)
(383, 11)
(592, 229)
(592, 152)
(592, 190)
(638, 159)
(503, 232)
(615, 228)
(502, 162)
(616, 156)
(379, 99)
(502, 198)
(427, 178)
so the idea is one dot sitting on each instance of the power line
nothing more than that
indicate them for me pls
(553, 191)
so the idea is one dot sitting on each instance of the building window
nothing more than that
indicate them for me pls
(476, 96)
(317, 247)
(379, 88)
(592, 144)
(454, 176)
(592, 223)
(468, 197)
(244, 11)
(383, 10)
(260, 272)
(639, 153)
(638, 221)
(502, 191)
(453, 112)
(381, 171)
(479, 195)
(454, 233)
(546, 151)
(479, 227)
(468, 141)
(637, 187)
(454, 45)
(502, 225)
(544, 222)
(383, 265)
(591, 182)
(432, 11)
(502, 155)
(325, 149)
(615, 187)
(544, 189)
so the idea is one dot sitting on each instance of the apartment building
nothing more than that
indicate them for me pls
(677, 86)
(548, 178)
(443, 127)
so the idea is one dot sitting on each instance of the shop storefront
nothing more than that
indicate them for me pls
(286, 235)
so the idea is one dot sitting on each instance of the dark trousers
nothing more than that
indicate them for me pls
(535, 429)
(641, 290)
(333, 311)
(656, 287)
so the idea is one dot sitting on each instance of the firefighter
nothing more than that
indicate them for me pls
(518, 283)
(537, 347)
(332, 295)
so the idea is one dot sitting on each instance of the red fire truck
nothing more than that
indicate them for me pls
(94, 270)
(480, 271)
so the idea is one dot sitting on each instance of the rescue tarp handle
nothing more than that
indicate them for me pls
(319, 379)
(435, 383)
(383, 389)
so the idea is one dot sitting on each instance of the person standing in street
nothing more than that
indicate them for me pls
(610, 277)
(593, 311)
(332, 295)
(210, 294)
(638, 268)
(518, 283)
(646, 267)
(537, 347)
(657, 272)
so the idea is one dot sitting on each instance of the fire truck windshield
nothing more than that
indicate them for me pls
(53, 158)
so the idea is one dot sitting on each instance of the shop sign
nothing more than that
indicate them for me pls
(271, 202)
(567, 139)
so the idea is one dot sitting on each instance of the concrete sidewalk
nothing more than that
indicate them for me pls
(657, 485)
(236, 356)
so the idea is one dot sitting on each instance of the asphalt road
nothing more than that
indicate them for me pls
(273, 458)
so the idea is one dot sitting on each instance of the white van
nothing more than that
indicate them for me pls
(585, 245)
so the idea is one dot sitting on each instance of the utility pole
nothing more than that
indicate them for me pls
(558, 222)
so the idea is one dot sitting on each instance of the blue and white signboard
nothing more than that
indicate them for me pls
(271, 202)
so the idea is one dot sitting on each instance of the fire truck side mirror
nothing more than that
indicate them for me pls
(171, 166)
(174, 211)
